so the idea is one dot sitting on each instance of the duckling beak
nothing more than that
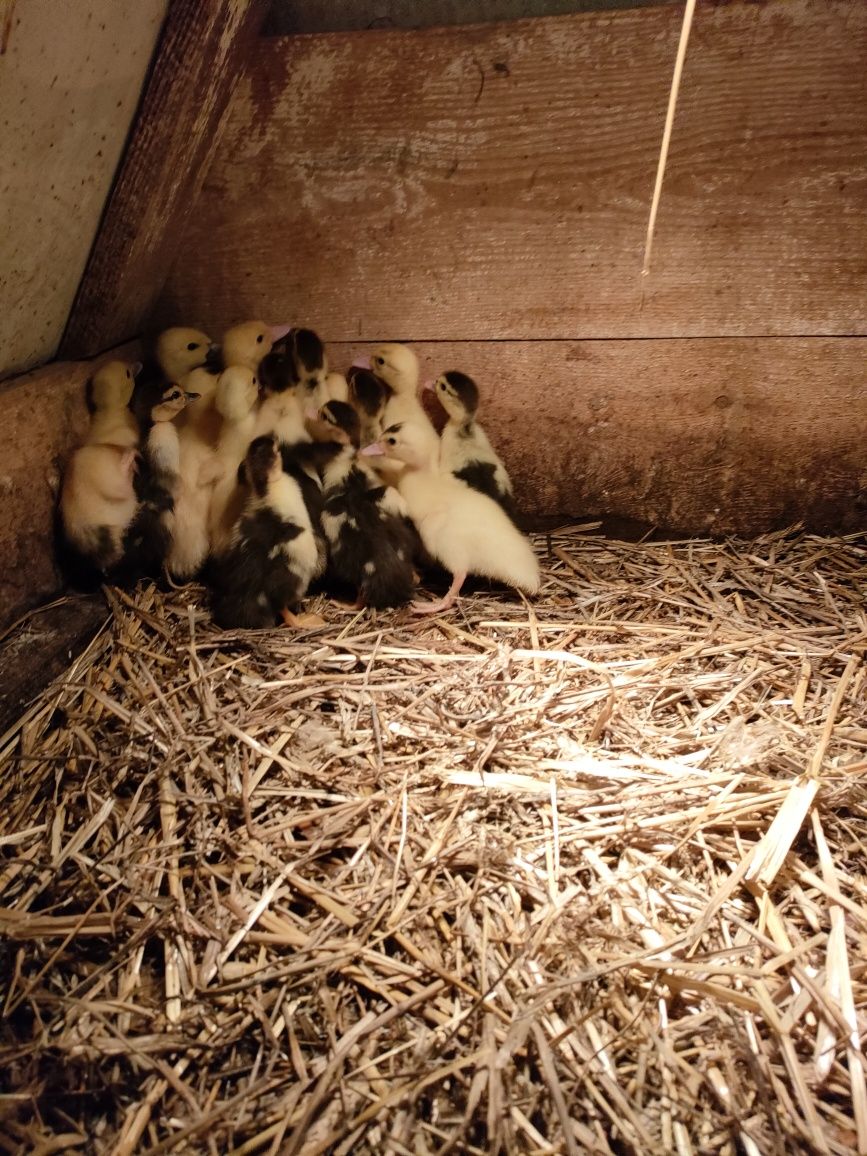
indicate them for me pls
(374, 450)
(136, 368)
(191, 396)
(429, 386)
(312, 414)
(278, 331)
(361, 362)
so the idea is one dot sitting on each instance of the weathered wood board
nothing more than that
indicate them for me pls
(44, 418)
(696, 436)
(493, 182)
(198, 62)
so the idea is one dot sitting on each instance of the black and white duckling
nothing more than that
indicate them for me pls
(369, 394)
(464, 530)
(148, 538)
(272, 557)
(370, 543)
(109, 394)
(465, 450)
(294, 378)
(199, 428)
(235, 401)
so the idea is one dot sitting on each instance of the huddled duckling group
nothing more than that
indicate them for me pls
(251, 465)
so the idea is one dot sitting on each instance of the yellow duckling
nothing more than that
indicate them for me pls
(110, 392)
(464, 530)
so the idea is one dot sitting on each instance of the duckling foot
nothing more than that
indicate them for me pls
(301, 621)
(445, 603)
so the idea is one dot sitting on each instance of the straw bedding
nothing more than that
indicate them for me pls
(585, 875)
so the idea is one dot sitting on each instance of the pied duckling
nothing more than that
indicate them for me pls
(235, 401)
(199, 427)
(371, 545)
(109, 394)
(465, 450)
(272, 556)
(148, 538)
(369, 394)
(294, 377)
(464, 530)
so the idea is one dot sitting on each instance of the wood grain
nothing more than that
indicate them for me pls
(197, 66)
(725, 436)
(494, 181)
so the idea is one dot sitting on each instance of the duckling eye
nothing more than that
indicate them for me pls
(175, 395)
(127, 375)
(255, 381)
(379, 361)
(391, 441)
(260, 338)
(193, 345)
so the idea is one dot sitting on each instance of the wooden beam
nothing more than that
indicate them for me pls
(696, 436)
(199, 59)
(494, 181)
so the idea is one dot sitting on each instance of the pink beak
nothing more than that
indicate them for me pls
(136, 368)
(361, 362)
(278, 331)
(374, 450)
(429, 386)
(312, 414)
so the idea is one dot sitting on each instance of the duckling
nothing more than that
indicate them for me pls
(369, 394)
(294, 376)
(370, 544)
(109, 393)
(176, 353)
(397, 366)
(148, 537)
(272, 555)
(465, 450)
(97, 504)
(235, 400)
(464, 530)
(336, 389)
(280, 409)
(199, 428)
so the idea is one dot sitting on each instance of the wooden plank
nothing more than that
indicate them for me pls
(44, 418)
(70, 80)
(727, 436)
(494, 181)
(196, 69)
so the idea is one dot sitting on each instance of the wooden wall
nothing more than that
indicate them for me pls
(70, 79)
(488, 187)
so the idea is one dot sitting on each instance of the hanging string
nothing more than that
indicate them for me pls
(666, 136)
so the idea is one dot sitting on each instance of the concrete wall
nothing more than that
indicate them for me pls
(70, 79)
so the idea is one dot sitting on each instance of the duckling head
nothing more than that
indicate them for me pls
(237, 391)
(247, 343)
(277, 372)
(262, 464)
(337, 421)
(181, 350)
(406, 442)
(172, 400)
(397, 365)
(457, 393)
(112, 385)
(367, 391)
(307, 351)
